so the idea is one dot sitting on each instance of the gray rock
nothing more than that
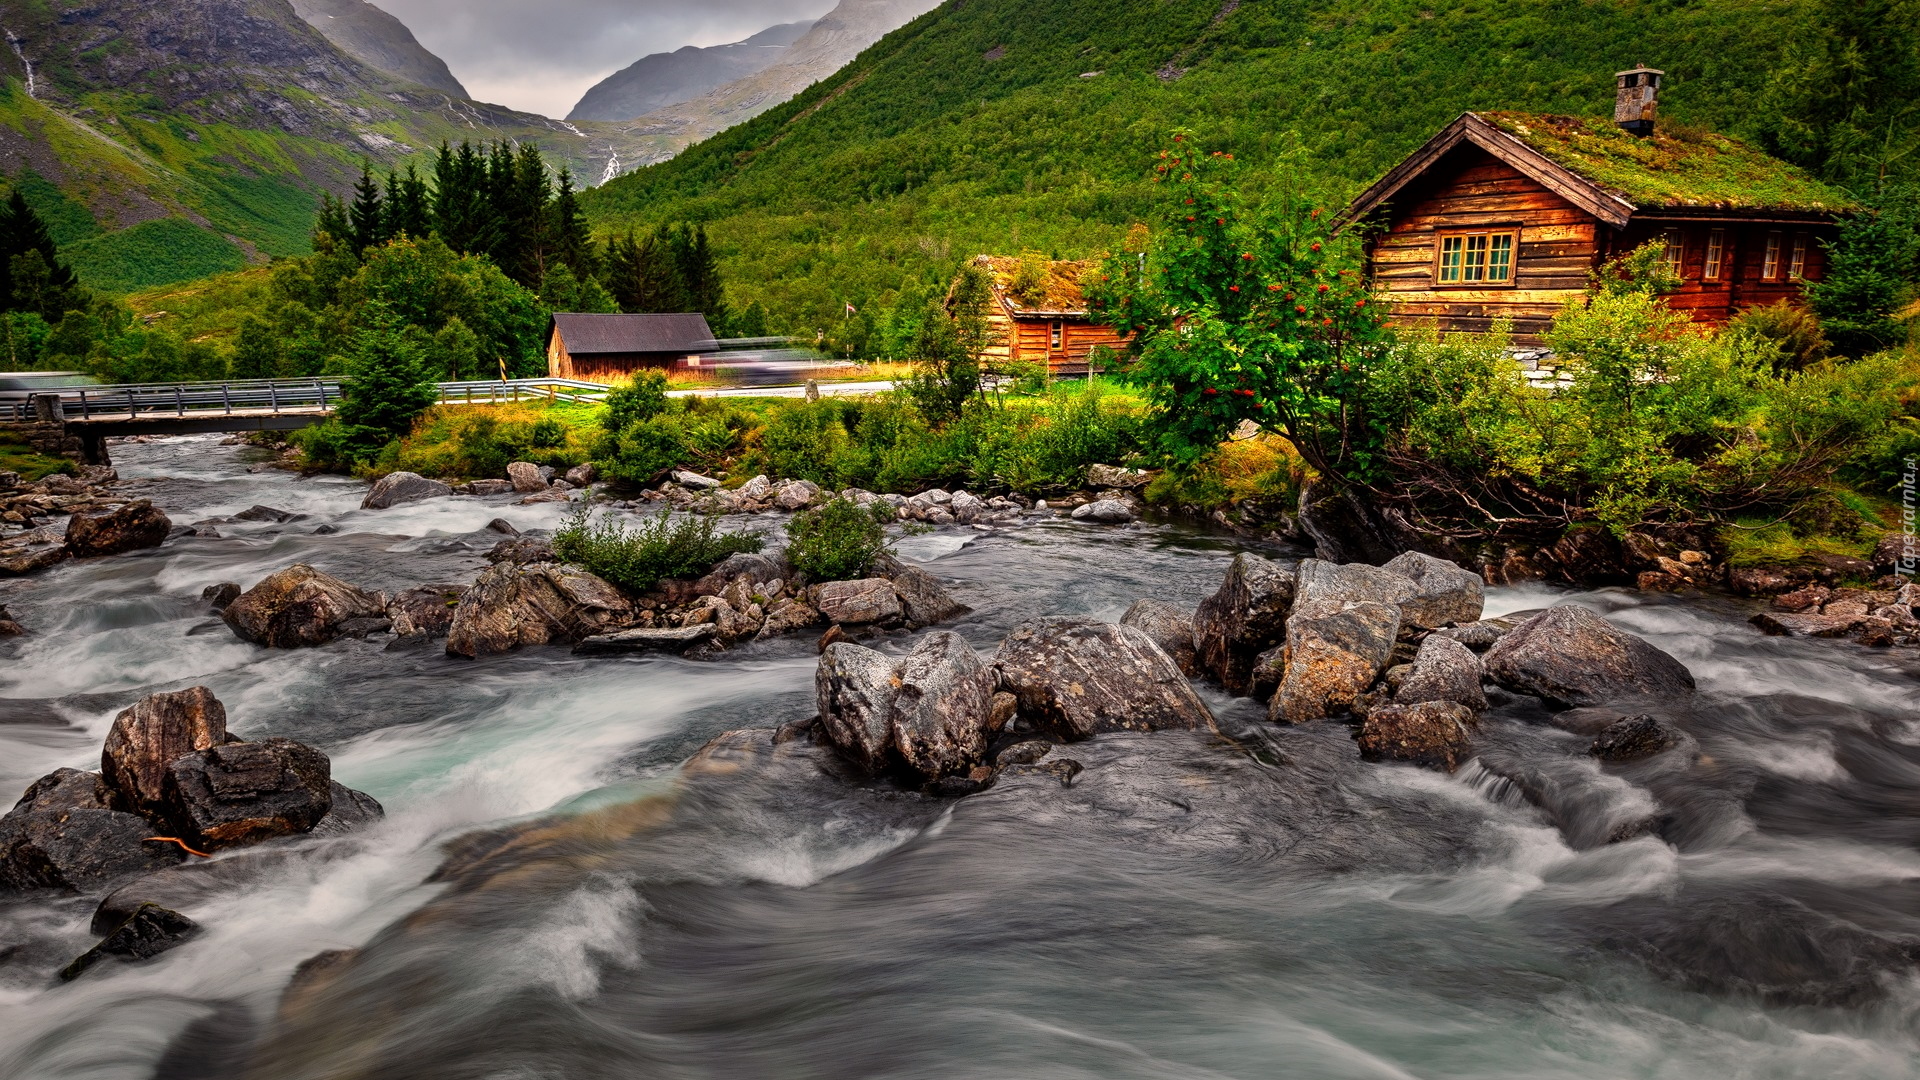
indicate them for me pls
(1434, 734)
(1104, 512)
(1170, 627)
(219, 596)
(1333, 654)
(941, 706)
(148, 932)
(1022, 753)
(1246, 617)
(787, 614)
(1478, 636)
(1323, 586)
(299, 606)
(488, 488)
(694, 480)
(853, 603)
(796, 494)
(396, 488)
(63, 835)
(923, 598)
(522, 550)
(1269, 668)
(966, 508)
(424, 609)
(526, 477)
(755, 489)
(1785, 624)
(1443, 670)
(667, 639)
(350, 811)
(134, 525)
(272, 514)
(1444, 592)
(1633, 738)
(236, 794)
(1060, 768)
(855, 688)
(1083, 677)
(1570, 656)
(149, 736)
(580, 475)
(503, 527)
(533, 604)
(1112, 476)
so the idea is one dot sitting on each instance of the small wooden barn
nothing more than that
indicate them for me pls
(1039, 314)
(1504, 214)
(610, 348)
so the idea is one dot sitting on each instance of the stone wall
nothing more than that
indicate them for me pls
(45, 437)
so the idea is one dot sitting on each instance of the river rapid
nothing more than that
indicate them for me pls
(556, 893)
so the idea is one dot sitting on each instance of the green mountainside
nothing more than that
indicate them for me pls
(1002, 125)
(166, 141)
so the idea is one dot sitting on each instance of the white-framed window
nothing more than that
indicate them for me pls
(1058, 335)
(1475, 258)
(1797, 263)
(1715, 267)
(1676, 253)
(1770, 263)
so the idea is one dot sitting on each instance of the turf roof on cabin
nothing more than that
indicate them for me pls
(1678, 166)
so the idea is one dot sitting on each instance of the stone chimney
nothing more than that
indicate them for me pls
(1633, 103)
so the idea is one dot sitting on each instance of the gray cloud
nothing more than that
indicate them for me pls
(541, 55)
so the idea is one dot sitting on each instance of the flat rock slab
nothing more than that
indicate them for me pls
(1786, 624)
(396, 488)
(675, 639)
(1083, 677)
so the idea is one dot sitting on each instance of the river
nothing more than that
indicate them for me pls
(1256, 906)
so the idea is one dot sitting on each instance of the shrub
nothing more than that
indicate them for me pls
(548, 432)
(837, 541)
(479, 441)
(664, 547)
(805, 440)
(643, 398)
(1793, 332)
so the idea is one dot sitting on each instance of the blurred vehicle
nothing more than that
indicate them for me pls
(18, 386)
(773, 364)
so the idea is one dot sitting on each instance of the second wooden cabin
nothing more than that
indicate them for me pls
(1503, 215)
(1039, 314)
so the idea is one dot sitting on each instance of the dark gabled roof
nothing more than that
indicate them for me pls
(1614, 174)
(586, 335)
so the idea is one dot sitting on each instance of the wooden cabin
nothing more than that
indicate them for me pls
(1039, 315)
(1504, 215)
(610, 348)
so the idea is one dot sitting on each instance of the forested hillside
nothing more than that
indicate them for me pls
(999, 125)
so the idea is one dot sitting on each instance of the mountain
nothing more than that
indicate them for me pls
(1008, 125)
(663, 79)
(379, 41)
(169, 140)
(836, 38)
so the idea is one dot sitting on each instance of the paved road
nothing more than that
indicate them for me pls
(839, 389)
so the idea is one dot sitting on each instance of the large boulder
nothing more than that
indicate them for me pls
(533, 604)
(402, 487)
(1444, 592)
(1432, 733)
(924, 600)
(1083, 677)
(349, 811)
(1170, 627)
(941, 706)
(1323, 586)
(1247, 616)
(854, 688)
(526, 477)
(1443, 670)
(64, 834)
(1104, 512)
(237, 794)
(1333, 654)
(852, 603)
(300, 606)
(138, 524)
(1570, 656)
(1896, 552)
(148, 736)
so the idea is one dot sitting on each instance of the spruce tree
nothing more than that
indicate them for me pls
(569, 237)
(331, 226)
(408, 209)
(700, 276)
(364, 223)
(389, 383)
(41, 283)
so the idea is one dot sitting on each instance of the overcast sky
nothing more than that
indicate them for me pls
(541, 55)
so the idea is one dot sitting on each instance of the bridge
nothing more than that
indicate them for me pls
(97, 413)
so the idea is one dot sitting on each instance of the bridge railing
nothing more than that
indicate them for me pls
(133, 400)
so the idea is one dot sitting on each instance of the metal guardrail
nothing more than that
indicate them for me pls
(132, 400)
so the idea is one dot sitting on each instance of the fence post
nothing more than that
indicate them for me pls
(226, 398)
(179, 402)
(273, 397)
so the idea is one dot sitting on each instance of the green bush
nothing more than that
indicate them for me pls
(837, 541)
(643, 398)
(548, 432)
(1794, 332)
(663, 547)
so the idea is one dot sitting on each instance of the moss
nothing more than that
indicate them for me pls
(16, 456)
(1754, 542)
(1677, 166)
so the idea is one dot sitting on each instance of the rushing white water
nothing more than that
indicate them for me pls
(1188, 908)
(14, 41)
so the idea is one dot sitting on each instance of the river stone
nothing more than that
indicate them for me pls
(1783, 624)
(271, 514)
(402, 487)
(1268, 669)
(526, 477)
(148, 932)
(762, 569)
(669, 639)
(923, 598)
(1433, 734)
(755, 489)
(219, 596)
(1322, 587)
(1333, 654)
(796, 494)
(1022, 753)
(694, 480)
(10, 628)
(237, 794)
(941, 706)
(1104, 512)
(62, 834)
(1113, 476)
(1170, 627)
(138, 524)
(348, 811)
(966, 507)
(532, 604)
(299, 606)
(1570, 656)
(581, 475)
(521, 550)
(19, 561)
(1632, 738)
(730, 624)
(854, 687)
(1247, 616)
(1478, 636)
(424, 609)
(149, 735)
(786, 615)
(868, 600)
(1444, 592)
(1084, 677)
(1443, 670)
(488, 488)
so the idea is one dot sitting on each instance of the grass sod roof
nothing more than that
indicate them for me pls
(1057, 288)
(1677, 167)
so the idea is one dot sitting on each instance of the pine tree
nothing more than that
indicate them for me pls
(331, 226)
(389, 383)
(462, 205)
(366, 229)
(700, 276)
(32, 277)
(409, 210)
(569, 238)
